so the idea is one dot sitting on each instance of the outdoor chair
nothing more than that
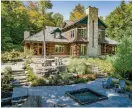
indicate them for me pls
(107, 83)
(130, 95)
(121, 88)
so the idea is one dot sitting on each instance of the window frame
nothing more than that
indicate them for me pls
(59, 48)
(72, 33)
(82, 33)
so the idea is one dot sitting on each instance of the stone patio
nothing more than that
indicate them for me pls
(56, 95)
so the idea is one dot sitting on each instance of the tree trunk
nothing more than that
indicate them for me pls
(44, 44)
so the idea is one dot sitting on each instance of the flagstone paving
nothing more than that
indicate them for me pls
(56, 95)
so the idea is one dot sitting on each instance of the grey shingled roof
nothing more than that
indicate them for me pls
(48, 36)
(83, 18)
(110, 41)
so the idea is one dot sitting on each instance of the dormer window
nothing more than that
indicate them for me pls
(57, 33)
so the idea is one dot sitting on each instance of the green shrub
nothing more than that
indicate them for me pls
(123, 62)
(6, 79)
(129, 88)
(8, 69)
(77, 66)
(103, 64)
(11, 56)
(30, 76)
(38, 82)
(81, 80)
(28, 53)
(66, 77)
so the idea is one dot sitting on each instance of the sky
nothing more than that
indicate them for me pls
(65, 7)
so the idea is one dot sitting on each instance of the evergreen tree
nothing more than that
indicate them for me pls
(123, 63)
(119, 21)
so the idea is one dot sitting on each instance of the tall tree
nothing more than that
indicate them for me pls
(102, 18)
(119, 20)
(77, 13)
(58, 19)
(123, 62)
(14, 22)
(44, 5)
(36, 16)
(18, 17)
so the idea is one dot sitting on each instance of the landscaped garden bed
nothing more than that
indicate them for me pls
(6, 86)
(63, 78)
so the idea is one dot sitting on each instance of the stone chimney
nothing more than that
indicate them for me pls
(92, 26)
(26, 34)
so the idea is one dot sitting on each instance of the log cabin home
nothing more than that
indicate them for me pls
(84, 37)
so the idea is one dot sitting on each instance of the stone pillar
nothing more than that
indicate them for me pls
(92, 26)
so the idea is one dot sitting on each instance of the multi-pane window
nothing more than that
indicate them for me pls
(83, 50)
(82, 32)
(59, 48)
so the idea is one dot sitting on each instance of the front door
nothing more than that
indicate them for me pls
(40, 51)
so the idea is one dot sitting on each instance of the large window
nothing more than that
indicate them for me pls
(82, 32)
(59, 48)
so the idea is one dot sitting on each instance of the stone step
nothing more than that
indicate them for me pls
(20, 77)
(22, 81)
(18, 70)
(20, 74)
(20, 84)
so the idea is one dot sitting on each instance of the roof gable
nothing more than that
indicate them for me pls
(85, 21)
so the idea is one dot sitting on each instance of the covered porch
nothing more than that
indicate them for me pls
(57, 49)
(108, 46)
(108, 49)
(51, 48)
